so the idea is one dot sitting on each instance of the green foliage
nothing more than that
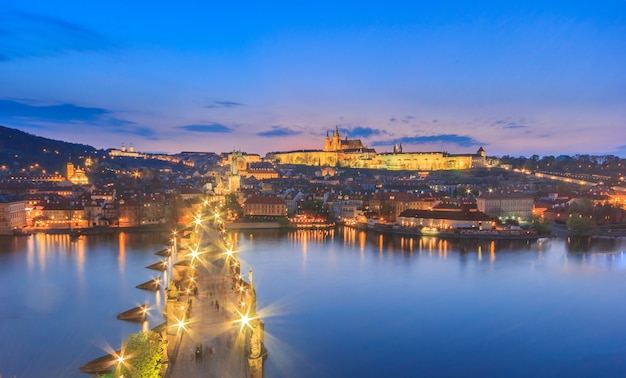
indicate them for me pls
(605, 165)
(316, 206)
(143, 356)
(580, 225)
(231, 203)
(542, 227)
(582, 206)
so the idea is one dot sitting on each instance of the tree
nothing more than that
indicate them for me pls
(582, 206)
(580, 225)
(143, 353)
(231, 203)
(542, 227)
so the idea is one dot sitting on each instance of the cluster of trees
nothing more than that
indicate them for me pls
(605, 165)
(580, 222)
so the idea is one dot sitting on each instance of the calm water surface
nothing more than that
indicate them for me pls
(339, 304)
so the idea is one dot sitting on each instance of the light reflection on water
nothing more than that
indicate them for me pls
(363, 304)
(338, 303)
(61, 296)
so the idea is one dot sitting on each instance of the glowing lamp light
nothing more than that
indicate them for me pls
(245, 320)
(120, 359)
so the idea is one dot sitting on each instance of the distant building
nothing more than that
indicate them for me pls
(260, 171)
(517, 206)
(264, 206)
(12, 214)
(337, 144)
(126, 152)
(76, 175)
(445, 219)
(352, 153)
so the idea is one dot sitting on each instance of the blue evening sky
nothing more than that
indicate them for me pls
(517, 77)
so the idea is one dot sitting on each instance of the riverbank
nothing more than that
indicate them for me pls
(99, 230)
(458, 234)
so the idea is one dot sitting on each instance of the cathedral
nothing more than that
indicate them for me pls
(344, 152)
(337, 144)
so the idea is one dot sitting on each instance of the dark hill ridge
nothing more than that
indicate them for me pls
(19, 150)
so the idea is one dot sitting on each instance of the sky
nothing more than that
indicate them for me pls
(516, 77)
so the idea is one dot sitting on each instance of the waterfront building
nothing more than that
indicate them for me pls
(515, 205)
(61, 215)
(264, 206)
(12, 214)
(389, 205)
(444, 219)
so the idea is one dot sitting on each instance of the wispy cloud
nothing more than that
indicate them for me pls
(510, 124)
(223, 104)
(29, 113)
(278, 131)
(364, 132)
(459, 140)
(406, 119)
(207, 128)
(63, 113)
(27, 35)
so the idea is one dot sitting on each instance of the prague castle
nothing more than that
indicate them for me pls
(353, 154)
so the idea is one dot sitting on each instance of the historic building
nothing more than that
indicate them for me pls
(12, 213)
(264, 206)
(352, 153)
(445, 219)
(516, 205)
(76, 175)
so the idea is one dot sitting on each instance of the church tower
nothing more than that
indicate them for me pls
(336, 142)
(70, 170)
(327, 146)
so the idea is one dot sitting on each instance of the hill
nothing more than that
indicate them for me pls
(20, 150)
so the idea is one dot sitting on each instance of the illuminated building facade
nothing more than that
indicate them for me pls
(352, 153)
(518, 206)
(264, 206)
(76, 175)
(12, 214)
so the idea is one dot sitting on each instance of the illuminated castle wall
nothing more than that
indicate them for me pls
(351, 153)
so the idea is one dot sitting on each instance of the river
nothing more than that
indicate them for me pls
(338, 303)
